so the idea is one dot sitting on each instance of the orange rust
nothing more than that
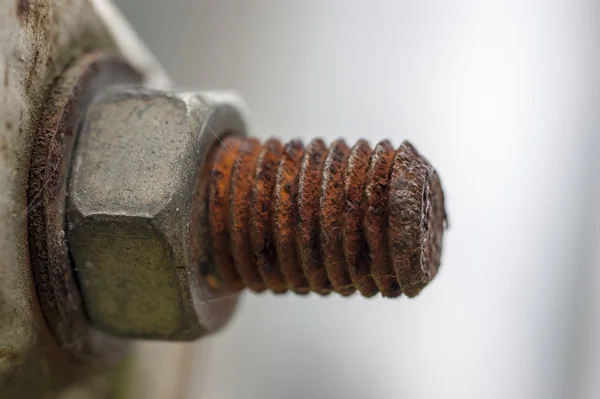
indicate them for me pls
(261, 232)
(322, 220)
(355, 246)
(239, 207)
(331, 215)
(309, 192)
(285, 218)
(218, 211)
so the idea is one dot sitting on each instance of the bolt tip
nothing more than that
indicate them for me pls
(417, 219)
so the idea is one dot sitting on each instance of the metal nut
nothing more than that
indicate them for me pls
(134, 208)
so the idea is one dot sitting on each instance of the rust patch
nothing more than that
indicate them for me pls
(331, 217)
(23, 8)
(218, 211)
(239, 205)
(308, 236)
(286, 218)
(376, 219)
(261, 232)
(356, 251)
(324, 220)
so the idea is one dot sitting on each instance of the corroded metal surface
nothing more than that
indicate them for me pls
(261, 233)
(355, 247)
(415, 248)
(375, 222)
(331, 217)
(286, 190)
(241, 188)
(323, 219)
(307, 238)
(218, 210)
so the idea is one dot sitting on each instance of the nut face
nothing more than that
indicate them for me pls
(136, 170)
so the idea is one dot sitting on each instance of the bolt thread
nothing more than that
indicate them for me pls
(311, 218)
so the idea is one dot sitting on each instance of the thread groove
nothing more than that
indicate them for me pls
(331, 214)
(286, 215)
(323, 219)
(218, 206)
(356, 249)
(261, 234)
(240, 210)
(308, 237)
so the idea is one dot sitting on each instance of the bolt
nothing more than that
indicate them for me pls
(289, 217)
(149, 210)
(171, 210)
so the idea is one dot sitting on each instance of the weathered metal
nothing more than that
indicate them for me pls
(137, 168)
(56, 284)
(39, 40)
(323, 219)
(172, 210)
(355, 183)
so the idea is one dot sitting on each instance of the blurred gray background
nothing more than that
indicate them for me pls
(502, 96)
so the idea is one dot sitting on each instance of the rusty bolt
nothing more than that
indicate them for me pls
(289, 217)
(172, 210)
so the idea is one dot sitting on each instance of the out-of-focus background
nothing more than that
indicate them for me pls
(503, 97)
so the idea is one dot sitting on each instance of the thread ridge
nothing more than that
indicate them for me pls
(289, 217)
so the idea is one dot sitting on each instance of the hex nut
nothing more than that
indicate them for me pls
(135, 212)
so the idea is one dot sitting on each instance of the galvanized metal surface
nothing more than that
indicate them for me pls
(134, 208)
(38, 40)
